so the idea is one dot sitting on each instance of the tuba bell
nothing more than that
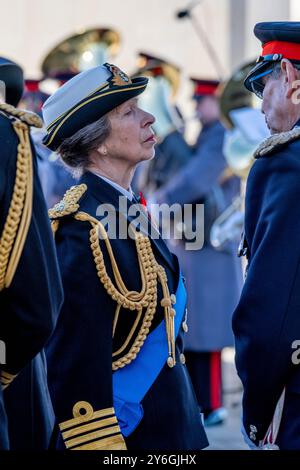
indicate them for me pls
(76, 53)
(241, 115)
(81, 51)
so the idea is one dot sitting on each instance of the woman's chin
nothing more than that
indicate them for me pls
(148, 156)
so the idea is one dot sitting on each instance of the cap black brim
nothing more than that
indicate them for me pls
(259, 68)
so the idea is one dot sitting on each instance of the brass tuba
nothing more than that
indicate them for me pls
(76, 53)
(88, 48)
(238, 107)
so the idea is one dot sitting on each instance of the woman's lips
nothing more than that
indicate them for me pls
(151, 138)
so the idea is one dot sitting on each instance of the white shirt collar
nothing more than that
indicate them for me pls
(127, 193)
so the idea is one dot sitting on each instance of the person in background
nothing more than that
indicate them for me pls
(54, 177)
(30, 284)
(171, 150)
(214, 277)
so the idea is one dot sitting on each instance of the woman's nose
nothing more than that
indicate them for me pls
(148, 120)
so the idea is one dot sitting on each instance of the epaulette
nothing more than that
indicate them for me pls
(69, 203)
(274, 142)
(29, 118)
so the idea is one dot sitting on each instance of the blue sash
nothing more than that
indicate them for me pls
(131, 383)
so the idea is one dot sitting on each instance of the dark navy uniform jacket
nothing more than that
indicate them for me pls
(28, 308)
(266, 321)
(80, 351)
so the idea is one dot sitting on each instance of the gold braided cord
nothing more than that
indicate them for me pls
(19, 215)
(170, 313)
(132, 331)
(128, 299)
(54, 225)
(150, 272)
(116, 318)
(28, 118)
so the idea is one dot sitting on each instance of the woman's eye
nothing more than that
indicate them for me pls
(128, 112)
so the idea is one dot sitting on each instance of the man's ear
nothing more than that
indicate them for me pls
(290, 75)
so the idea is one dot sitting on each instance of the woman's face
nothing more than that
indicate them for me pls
(131, 137)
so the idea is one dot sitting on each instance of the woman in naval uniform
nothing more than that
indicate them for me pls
(116, 367)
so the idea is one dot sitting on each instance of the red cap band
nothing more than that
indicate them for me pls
(289, 50)
(207, 89)
(32, 85)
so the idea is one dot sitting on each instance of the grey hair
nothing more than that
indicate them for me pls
(276, 72)
(75, 151)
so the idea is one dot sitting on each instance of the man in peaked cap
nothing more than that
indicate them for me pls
(266, 321)
(30, 286)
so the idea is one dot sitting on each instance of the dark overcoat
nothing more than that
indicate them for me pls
(29, 307)
(266, 321)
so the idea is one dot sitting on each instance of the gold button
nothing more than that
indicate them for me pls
(173, 298)
(185, 326)
(182, 358)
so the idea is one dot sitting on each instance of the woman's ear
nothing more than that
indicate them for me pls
(290, 75)
(102, 150)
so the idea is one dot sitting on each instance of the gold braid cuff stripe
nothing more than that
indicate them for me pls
(110, 443)
(89, 432)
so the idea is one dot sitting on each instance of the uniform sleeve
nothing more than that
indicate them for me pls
(267, 320)
(199, 175)
(80, 351)
(30, 305)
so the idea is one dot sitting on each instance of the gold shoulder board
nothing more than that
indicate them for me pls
(69, 203)
(275, 141)
(31, 119)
